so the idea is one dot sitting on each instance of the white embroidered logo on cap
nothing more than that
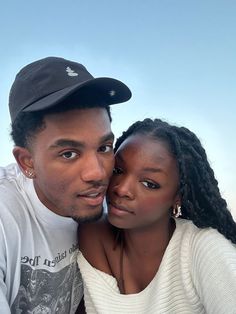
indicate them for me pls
(71, 72)
(112, 93)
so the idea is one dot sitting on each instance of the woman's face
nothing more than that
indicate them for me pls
(144, 185)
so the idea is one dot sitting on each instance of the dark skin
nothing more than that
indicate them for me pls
(78, 149)
(142, 190)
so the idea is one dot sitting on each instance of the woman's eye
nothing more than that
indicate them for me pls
(151, 185)
(117, 170)
(106, 148)
(69, 155)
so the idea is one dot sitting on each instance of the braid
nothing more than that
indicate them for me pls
(201, 200)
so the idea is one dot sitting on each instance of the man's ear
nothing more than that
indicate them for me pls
(24, 159)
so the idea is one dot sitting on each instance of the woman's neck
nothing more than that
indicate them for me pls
(141, 247)
(149, 241)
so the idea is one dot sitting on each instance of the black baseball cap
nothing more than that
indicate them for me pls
(47, 82)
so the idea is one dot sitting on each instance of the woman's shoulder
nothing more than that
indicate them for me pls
(95, 240)
(96, 231)
(205, 243)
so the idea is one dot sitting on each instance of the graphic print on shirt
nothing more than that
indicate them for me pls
(44, 292)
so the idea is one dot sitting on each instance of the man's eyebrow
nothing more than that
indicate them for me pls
(64, 142)
(108, 137)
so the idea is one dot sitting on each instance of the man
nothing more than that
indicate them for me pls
(63, 147)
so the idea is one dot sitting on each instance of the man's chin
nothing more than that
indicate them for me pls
(88, 218)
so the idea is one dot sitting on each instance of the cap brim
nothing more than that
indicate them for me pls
(97, 91)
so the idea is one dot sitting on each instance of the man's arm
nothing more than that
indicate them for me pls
(4, 306)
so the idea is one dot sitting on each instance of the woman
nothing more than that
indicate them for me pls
(168, 243)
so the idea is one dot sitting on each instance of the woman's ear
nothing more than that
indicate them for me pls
(24, 159)
(177, 200)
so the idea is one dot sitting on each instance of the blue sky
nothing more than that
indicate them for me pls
(177, 56)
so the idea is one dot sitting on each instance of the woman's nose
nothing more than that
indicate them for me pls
(124, 187)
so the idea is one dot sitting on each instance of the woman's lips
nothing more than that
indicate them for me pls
(118, 209)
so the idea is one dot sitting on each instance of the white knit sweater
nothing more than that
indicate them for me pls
(197, 275)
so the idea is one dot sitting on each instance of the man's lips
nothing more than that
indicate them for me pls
(93, 191)
(93, 197)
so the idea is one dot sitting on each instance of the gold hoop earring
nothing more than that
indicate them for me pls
(177, 211)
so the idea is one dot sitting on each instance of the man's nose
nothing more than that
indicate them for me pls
(94, 169)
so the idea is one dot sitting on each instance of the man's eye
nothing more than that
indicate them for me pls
(117, 170)
(150, 185)
(106, 148)
(69, 155)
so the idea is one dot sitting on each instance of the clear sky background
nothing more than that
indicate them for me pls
(177, 56)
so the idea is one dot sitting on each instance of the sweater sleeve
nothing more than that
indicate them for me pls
(214, 271)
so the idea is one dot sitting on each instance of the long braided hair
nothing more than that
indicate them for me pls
(201, 200)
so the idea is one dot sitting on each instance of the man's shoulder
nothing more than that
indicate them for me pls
(12, 193)
(9, 171)
(11, 182)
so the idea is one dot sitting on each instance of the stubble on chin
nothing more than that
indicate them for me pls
(88, 218)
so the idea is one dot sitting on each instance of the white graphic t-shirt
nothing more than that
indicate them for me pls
(38, 252)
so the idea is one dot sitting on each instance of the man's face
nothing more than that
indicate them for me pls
(73, 161)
